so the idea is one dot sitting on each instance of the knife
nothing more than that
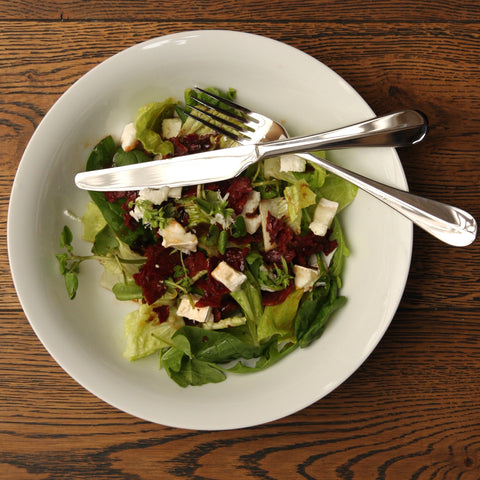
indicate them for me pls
(193, 169)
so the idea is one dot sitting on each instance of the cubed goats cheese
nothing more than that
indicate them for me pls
(292, 163)
(252, 220)
(187, 308)
(155, 195)
(323, 216)
(171, 127)
(252, 203)
(128, 138)
(252, 223)
(175, 236)
(305, 277)
(227, 275)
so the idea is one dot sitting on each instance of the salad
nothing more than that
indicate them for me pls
(225, 278)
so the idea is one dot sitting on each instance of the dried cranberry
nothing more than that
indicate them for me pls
(159, 266)
(213, 290)
(274, 298)
(235, 257)
(191, 143)
(238, 191)
(280, 233)
(276, 254)
(129, 196)
(162, 312)
(310, 244)
(196, 262)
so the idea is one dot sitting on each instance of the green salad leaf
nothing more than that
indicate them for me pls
(148, 124)
(101, 157)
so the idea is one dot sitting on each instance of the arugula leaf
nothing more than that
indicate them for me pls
(342, 251)
(193, 372)
(315, 310)
(318, 320)
(217, 346)
(271, 355)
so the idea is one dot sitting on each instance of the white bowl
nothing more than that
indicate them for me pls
(85, 336)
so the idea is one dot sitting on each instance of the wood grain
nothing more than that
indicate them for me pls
(411, 411)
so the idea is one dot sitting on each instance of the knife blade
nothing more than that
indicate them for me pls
(193, 169)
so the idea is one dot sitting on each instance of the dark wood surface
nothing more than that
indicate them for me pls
(412, 410)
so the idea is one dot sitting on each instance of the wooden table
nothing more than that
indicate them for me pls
(412, 410)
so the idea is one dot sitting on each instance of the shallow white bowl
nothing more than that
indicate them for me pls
(85, 336)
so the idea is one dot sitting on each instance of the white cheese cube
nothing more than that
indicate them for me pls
(171, 127)
(187, 308)
(155, 195)
(323, 216)
(175, 236)
(292, 163)
(227, 275)
(305, 277)
(128, 138)
(175, 192)
(252, 203)
(252, 223)
(137, 213)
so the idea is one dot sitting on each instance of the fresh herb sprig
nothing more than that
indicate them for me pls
(69, 263)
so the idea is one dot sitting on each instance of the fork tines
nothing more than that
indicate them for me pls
(222, 115)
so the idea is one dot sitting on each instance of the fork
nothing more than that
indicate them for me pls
(242, 125)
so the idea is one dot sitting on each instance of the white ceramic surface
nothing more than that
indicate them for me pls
(85, 336)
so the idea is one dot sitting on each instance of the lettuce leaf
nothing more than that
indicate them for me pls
(298, 196)
(144, 336)
(279, 319)
(92, 221)
(148, 124)
(338, 190)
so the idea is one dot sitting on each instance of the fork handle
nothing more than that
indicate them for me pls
(398, 129)
(447, 223)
